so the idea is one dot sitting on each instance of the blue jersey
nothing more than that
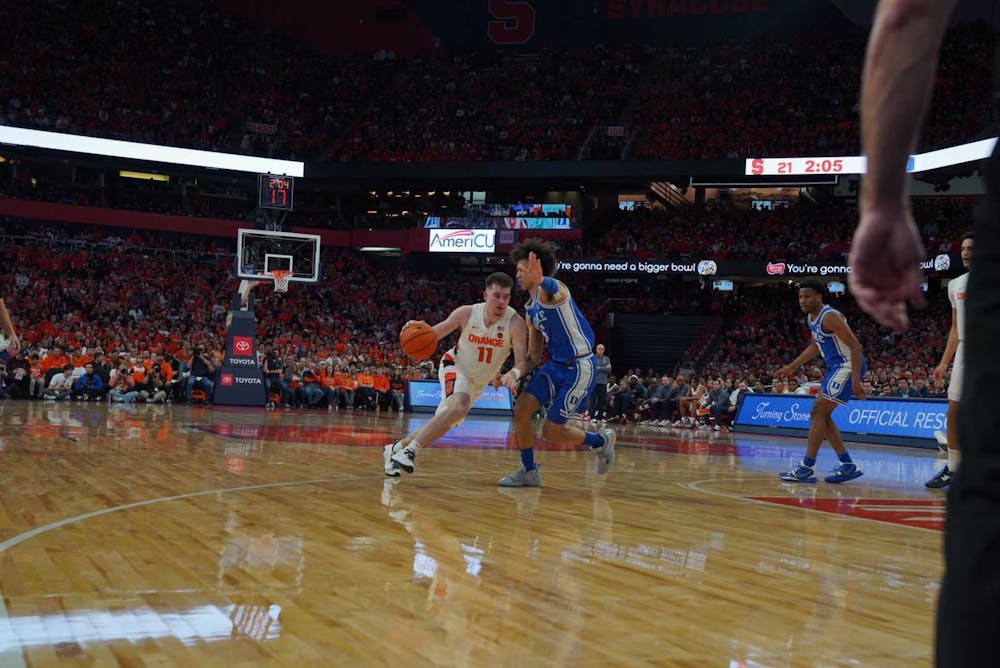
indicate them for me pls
(834, 351)
(567, 333)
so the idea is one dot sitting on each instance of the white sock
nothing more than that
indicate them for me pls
(414, 444)
(954, 459)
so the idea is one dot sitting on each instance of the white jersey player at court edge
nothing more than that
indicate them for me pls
(490, 331)
(954, 354)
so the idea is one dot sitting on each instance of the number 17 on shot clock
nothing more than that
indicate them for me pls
(276, 192)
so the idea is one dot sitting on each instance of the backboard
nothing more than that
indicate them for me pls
(260, 251)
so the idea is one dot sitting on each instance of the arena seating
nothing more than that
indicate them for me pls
(95, 287)
(187, 75)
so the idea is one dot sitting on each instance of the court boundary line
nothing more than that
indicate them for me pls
(696, 486)
(14, 541)
(14, 658)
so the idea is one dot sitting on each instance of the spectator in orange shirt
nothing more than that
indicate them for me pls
(185, 356)
(146, 360)
(174, 342)
(138, 373)
(166, 370)
(344, 382)
(56, 359)
(37, 383)
(328, 382)
(78, 358)
(381, 386)
(364, 395)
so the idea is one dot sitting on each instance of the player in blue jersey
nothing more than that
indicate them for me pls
(845, 365)
(565, 381)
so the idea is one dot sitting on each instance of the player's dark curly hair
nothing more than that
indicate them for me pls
(971, 234)
(543, 251)
(816, 285)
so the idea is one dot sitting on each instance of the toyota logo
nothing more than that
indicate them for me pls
(242, 346)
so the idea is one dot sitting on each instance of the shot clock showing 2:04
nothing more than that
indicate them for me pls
(276, 192)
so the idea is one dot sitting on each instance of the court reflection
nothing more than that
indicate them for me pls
(196, 536)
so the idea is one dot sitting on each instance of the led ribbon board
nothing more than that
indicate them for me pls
(113, 148)
(836, 165)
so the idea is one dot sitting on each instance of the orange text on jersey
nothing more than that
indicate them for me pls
(485, 340)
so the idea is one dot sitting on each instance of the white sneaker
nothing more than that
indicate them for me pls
(606, 453)
(404, 458)
(388, 465)
(522, 478)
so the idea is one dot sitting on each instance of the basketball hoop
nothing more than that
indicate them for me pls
(280, 278)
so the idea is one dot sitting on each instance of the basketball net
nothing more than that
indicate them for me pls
(280, 278)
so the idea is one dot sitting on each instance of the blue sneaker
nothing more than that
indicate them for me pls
(801, 473)
(844, 472)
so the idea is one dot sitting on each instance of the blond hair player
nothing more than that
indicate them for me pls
(491, 329)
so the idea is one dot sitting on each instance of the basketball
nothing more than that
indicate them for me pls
(418, 341)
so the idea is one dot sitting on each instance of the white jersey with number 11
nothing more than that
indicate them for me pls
(482, 350)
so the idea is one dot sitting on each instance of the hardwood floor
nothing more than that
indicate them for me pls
(152, 535)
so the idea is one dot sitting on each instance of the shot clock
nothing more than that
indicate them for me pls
(276, 192)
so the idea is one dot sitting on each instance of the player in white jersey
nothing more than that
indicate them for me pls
(490, 330)
(954, 350)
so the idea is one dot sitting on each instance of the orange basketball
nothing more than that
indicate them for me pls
(418, 341)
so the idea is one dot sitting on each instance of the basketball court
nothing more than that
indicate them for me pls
(177, 535)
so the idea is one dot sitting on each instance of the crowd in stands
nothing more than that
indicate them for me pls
(90, 294)
(183, 74)
(813, 232)
(87, 295)
(186, 75)
(767, 332)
